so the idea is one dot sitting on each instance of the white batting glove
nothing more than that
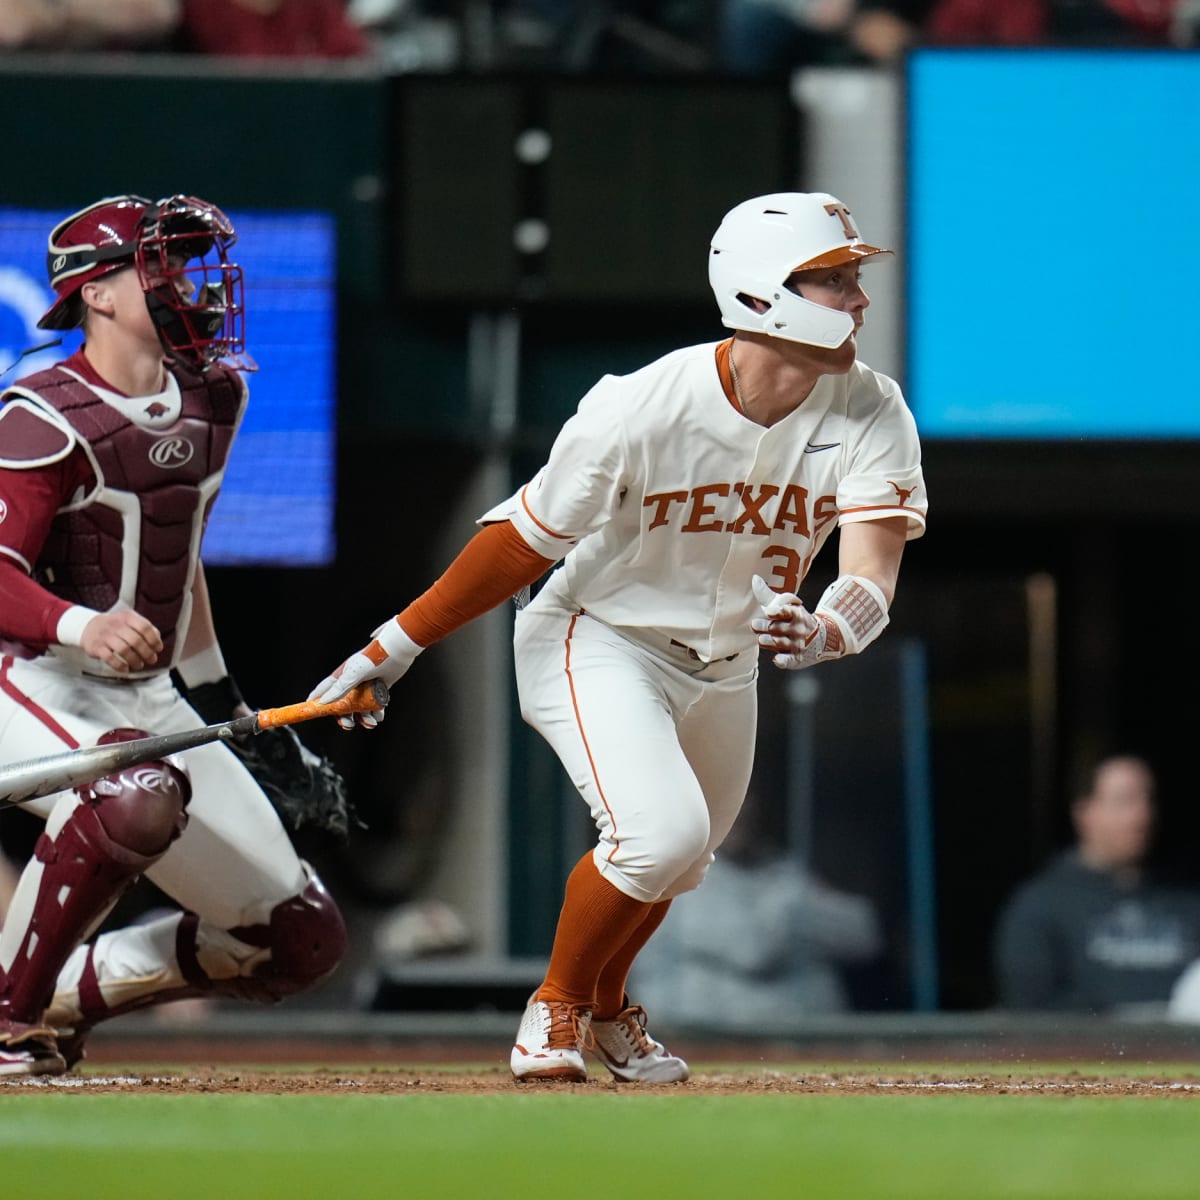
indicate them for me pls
(800, 638)
(387, 657)
(850, 615)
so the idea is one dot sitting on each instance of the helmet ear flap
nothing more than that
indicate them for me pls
(759, 245)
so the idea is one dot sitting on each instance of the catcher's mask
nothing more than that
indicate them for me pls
(180, 249)
(761, 243)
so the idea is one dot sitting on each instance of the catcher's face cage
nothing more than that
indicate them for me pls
(193, 291)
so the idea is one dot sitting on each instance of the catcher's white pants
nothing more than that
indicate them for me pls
(659, 744)
(234, 862)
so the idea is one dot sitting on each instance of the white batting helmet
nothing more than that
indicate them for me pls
(761, 242)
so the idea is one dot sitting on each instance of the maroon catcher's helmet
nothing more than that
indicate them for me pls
(180, 248)
(93, 242)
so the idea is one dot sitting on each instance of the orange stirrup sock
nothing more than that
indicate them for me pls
(596, 921)
(610, 990)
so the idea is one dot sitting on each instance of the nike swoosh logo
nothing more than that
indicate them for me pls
(814, 447)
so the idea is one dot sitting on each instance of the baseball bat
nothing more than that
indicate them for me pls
(38, 777)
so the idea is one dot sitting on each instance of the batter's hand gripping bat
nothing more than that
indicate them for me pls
(37, 777)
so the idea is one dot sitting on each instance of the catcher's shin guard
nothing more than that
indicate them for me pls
(179, 957)
(114, 831)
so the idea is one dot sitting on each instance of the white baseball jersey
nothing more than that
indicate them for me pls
(666, 500)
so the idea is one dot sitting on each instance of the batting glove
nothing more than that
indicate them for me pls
(850, 615)
(800, 638)
(387, 657)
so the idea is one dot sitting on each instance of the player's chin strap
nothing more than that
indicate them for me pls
(850, 615)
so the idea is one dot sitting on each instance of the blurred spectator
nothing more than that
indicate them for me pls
(773, 37)
(410, 35)
(880, 32)
(1065, 22)
(87, 24)
(761, 944)
(272, 29)
(1095, 931)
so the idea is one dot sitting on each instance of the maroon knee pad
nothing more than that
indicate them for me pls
(307, 939)
(122, 827)
(142, 809)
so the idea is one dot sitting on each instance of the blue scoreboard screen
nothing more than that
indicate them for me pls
(1053, 265)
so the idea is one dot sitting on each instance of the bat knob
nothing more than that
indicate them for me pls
(379, 692)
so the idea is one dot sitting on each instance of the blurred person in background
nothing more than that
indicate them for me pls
(1118, 23)
(1096, 930)
(88, 24)
(272, 29)
(776, 37)
(882, 30)
(762, 944)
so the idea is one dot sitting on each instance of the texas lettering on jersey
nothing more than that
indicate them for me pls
(761, 508)
(653, 459)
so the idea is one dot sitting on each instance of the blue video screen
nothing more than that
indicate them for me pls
(1053, 269)
(276, 506)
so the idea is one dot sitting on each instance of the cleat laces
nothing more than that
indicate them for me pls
(632, 1024)
(569, 1029)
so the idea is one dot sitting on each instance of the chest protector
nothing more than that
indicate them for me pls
(134, 540)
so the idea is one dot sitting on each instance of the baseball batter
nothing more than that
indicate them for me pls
(685, 503)
(109, 466)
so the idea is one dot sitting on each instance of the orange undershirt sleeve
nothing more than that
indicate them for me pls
(492, 567)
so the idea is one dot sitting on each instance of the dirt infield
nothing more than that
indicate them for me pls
(295, 1063)
(491, 1081)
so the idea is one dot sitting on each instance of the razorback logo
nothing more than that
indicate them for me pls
(156, 408)
(760, 508)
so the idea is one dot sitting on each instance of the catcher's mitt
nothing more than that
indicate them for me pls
(305, 788)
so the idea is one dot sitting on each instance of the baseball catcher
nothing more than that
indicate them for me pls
(110, 463)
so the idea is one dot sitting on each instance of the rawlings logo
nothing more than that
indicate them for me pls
(171, 452)
(152, 779)
(3, 510)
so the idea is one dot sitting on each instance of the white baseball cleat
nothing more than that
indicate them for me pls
(551, 1041)
(631, 1054)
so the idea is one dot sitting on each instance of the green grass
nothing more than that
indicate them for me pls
(612, 1145)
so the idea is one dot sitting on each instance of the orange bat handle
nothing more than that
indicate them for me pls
(366, 697)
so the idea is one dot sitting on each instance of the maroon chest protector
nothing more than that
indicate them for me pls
(135, 540)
